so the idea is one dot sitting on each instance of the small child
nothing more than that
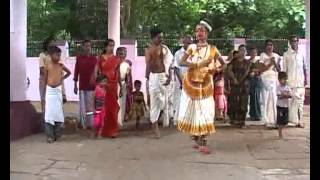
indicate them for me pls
(99, 104)
(284, 93)
(54, 76)
(138, 106)
(219, 96)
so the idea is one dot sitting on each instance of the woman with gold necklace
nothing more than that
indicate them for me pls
(197, 107)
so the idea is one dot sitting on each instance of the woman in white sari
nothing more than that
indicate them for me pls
(197, 107)
(269, 77)
(125, 95)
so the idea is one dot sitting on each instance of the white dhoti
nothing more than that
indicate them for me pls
(53, 107)
(269, 102)
(269, 91)
(296, 106)
(157, 94)
(122, 102)
(196, 117)
(176, 100)
(86, 108)
(124, 71)
(168, 112)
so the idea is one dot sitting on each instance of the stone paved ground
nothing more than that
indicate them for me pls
(238, 154)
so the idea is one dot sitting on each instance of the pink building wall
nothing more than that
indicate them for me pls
(138, 71)
(32, 66)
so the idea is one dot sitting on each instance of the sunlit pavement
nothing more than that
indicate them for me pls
(253, 153)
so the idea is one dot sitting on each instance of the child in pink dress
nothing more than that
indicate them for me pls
(99, 114)
(219, 96)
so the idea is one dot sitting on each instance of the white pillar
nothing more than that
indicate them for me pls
(18, 50)
(114, 21)
(307, 10)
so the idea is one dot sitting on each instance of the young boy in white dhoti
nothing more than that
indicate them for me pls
(54, 76)
(44, 59)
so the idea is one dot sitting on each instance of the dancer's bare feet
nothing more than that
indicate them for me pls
(196, 140)
(204, 150)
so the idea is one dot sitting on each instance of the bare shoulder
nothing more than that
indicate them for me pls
(48, 65)
(147, 51)
(63, 66)
(148, 48)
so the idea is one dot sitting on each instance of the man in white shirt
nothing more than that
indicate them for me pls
(177, 76)
(295, 66)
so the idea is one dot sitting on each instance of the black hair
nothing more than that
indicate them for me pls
(267, 41)
(293, 36)
(46, 42)
(137, 82)
(242, 45)
(53, 49)
(253, 48)
(235, 52)
(282, 75)
(120, 49)
(187, 36)
(154, 32)
(106, 43)
(86, 41)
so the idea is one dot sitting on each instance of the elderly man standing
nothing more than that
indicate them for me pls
(179, 72)
(295, 65)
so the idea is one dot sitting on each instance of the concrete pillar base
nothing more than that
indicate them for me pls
(24, 120)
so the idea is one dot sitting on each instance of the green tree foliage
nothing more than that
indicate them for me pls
(89, 19)
(81, 19)
(46, 18)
